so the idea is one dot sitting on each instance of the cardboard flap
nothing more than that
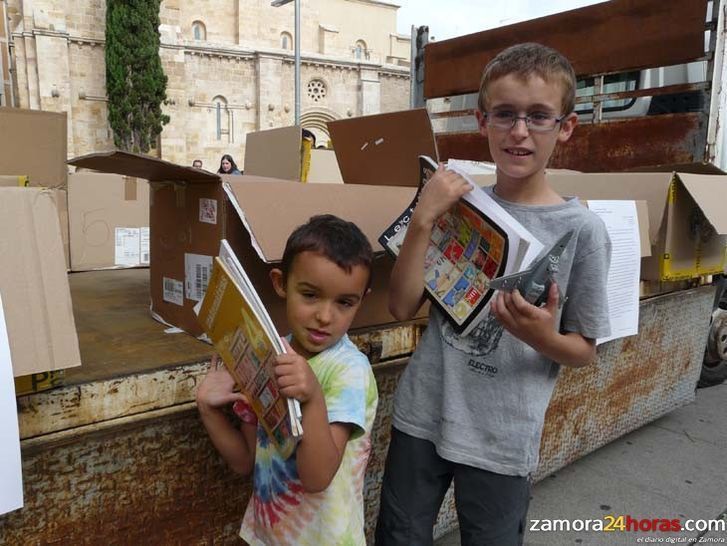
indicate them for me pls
(140, 166)
(33, 143)
(383, 149)
(710, 193)
(271, 210)
(650, 187)
(324, 167)
(35, 291)
(274, 153)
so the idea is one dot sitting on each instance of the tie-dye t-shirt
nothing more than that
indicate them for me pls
(280, 512)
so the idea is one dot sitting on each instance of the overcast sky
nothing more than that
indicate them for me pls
(457, 17)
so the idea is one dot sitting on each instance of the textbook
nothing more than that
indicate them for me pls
(473, 243)
(237, 323)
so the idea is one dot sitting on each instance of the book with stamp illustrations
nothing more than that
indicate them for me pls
(471, 244)
(239, 327)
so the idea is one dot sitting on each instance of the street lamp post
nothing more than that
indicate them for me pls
(277, 4)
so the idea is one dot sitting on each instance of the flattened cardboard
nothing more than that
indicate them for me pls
(278, 153)
(268, 211)
(274, 153)
(34, 143)
(60, 198)
(98, 205)
(324, 167)
(35, 291)
(383, 149)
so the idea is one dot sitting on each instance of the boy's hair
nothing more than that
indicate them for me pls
(340, 241)
(525, 60)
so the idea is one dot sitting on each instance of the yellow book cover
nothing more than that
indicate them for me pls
(234, 322)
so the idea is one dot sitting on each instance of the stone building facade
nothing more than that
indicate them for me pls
(230, 66)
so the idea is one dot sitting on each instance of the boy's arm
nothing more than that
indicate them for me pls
(406, 286)
(236, 446)
(320, 451)
(536, 327)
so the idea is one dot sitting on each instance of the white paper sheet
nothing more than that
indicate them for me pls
(622, 224)
(11, 478)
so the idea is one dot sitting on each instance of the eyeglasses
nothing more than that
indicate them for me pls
(537, 122)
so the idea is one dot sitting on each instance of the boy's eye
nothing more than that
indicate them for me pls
(503, 115)
(540, 117)
(346, 303)
(308, 295)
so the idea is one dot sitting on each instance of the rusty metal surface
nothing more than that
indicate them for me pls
(608, 37)
(635, 381)
(606, 147)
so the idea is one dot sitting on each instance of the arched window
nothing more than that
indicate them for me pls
(199, 31)
(286, 40)
(222, 117)
(360, 51)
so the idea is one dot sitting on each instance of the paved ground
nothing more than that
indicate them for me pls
(673, 468)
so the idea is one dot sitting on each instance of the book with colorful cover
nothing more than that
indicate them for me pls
(239, 327)
(473, 243)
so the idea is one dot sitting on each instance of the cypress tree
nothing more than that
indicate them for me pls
(135, 81)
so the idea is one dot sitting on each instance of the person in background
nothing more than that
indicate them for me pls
(197, 163)
(308, 135)
(228, 165)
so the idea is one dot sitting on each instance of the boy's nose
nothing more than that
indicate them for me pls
(520, 127)
(323, 313)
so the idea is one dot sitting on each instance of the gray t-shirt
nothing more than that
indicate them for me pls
(481, 398)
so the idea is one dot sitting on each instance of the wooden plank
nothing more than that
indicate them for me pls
(609, 37)
(613, 146)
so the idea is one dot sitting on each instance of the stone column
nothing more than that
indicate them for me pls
(370, 92)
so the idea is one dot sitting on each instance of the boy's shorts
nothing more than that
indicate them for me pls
(491, 508)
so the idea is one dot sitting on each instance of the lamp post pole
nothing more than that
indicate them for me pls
(277, 4)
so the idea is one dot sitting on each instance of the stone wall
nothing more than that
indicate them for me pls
(239, 64)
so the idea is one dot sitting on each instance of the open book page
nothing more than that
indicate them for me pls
(248, 351)
(476, 241)
(243, 282)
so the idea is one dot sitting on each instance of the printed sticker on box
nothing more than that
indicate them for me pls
(127, 246)
(208, 211)
(173, 291)
(144, 245)
(197, 273)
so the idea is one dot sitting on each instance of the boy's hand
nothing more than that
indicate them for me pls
(440, 193)
(295, 377)
(533, 325)
(217, 387)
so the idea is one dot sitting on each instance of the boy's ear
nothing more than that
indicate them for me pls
(481, 122)
(567, 126)
(278, 279)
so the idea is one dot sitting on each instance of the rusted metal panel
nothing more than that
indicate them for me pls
(635, 380)
(608, 37)
(611, 146)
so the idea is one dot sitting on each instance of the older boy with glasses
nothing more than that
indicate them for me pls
(471, 408)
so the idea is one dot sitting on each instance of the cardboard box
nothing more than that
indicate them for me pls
(108, 220)
(383, 149)
(191, 210)
(34, 143)
(34, 284)
(282, 153)
(687, 217)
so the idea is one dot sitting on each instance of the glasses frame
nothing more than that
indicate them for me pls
(558, 120)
